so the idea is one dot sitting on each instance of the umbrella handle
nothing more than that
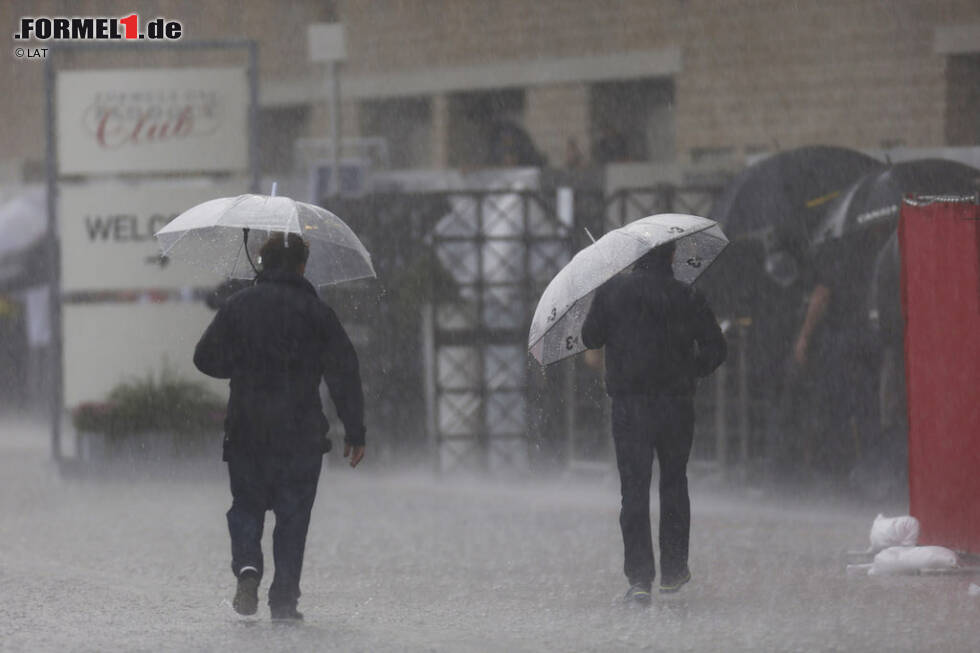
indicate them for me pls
(247, 255)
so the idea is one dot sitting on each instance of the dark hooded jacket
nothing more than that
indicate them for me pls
(275, 340)
(659, 333)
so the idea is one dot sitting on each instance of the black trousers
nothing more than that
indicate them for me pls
(286, 485)
(645, 427)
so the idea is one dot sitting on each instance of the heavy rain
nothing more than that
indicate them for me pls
(536, 326)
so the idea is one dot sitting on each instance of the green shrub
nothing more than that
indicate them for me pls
(185, 410)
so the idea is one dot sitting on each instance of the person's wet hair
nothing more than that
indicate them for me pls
(278, 253)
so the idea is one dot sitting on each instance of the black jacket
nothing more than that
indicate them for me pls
(275, 340)
(659, 333)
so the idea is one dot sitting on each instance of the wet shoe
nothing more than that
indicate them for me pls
(672, 585)
(246, 601)
(639, 594)
(285, 613)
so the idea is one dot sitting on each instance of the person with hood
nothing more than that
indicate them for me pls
(275, 340)
(659, 335)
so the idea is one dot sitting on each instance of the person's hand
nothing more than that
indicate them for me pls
(799, 351)
(356, 454)
(593, 359)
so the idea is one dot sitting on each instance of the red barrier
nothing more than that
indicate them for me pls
(940, 245)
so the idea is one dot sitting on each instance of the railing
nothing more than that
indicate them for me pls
(478, 401)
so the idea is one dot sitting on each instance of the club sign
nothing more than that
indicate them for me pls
(152, 121)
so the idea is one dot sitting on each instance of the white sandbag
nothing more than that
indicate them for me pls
(893, 531)
(910, 559)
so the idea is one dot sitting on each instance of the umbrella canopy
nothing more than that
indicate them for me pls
(23, 220)
(876, 198)
(23, 248)
(215, 234)
(783, 196)
(557, 324)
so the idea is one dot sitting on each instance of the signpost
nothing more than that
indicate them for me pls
(326, 43)
(129, 149)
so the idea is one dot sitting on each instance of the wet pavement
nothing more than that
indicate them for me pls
(137, 560)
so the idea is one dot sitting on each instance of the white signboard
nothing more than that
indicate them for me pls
(326, 42)
(106, 344)
(106, 232)
(151, 121)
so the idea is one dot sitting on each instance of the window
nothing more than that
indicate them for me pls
(963, 100)
(632, 121)
(485, 129)
(406, 126)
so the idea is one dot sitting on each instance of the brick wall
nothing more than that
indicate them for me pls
(756, 74)
(837, 72)
(554, 114)
(387, 35)
(440, 132)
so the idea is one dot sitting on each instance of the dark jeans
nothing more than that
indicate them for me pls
(644, 426)
(287, 486)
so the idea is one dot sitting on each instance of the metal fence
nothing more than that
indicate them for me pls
(501, 248)
(453, 381)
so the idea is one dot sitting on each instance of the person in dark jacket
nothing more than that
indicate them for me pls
(275, 340)
(659, 336)
(217, 297)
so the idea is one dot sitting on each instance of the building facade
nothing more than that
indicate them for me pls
(469, 83)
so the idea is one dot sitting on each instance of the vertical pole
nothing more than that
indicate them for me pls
(482, 435)
(526, 281)
(429, 370)
(253, 115)
(721, 419)
(335, 128)
(569, 366)
(569, 217)
(56, 345)
(743, 394)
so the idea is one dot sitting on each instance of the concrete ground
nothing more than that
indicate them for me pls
(138, 561)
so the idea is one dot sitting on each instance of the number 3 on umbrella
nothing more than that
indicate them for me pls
(553, 314)
(570, 342)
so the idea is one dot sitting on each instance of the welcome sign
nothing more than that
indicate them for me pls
(106, 232)
(152, 121)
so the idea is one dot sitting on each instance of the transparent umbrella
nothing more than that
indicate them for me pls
(216, 234)
(557, 324)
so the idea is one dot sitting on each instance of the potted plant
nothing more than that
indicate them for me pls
(164, 416)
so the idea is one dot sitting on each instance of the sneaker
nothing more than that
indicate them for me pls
(246, 601)
(671, 586)
(639, 594)
(285, 613)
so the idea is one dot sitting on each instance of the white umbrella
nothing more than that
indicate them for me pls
(215, 234)
(23, 220)
(557, 324)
